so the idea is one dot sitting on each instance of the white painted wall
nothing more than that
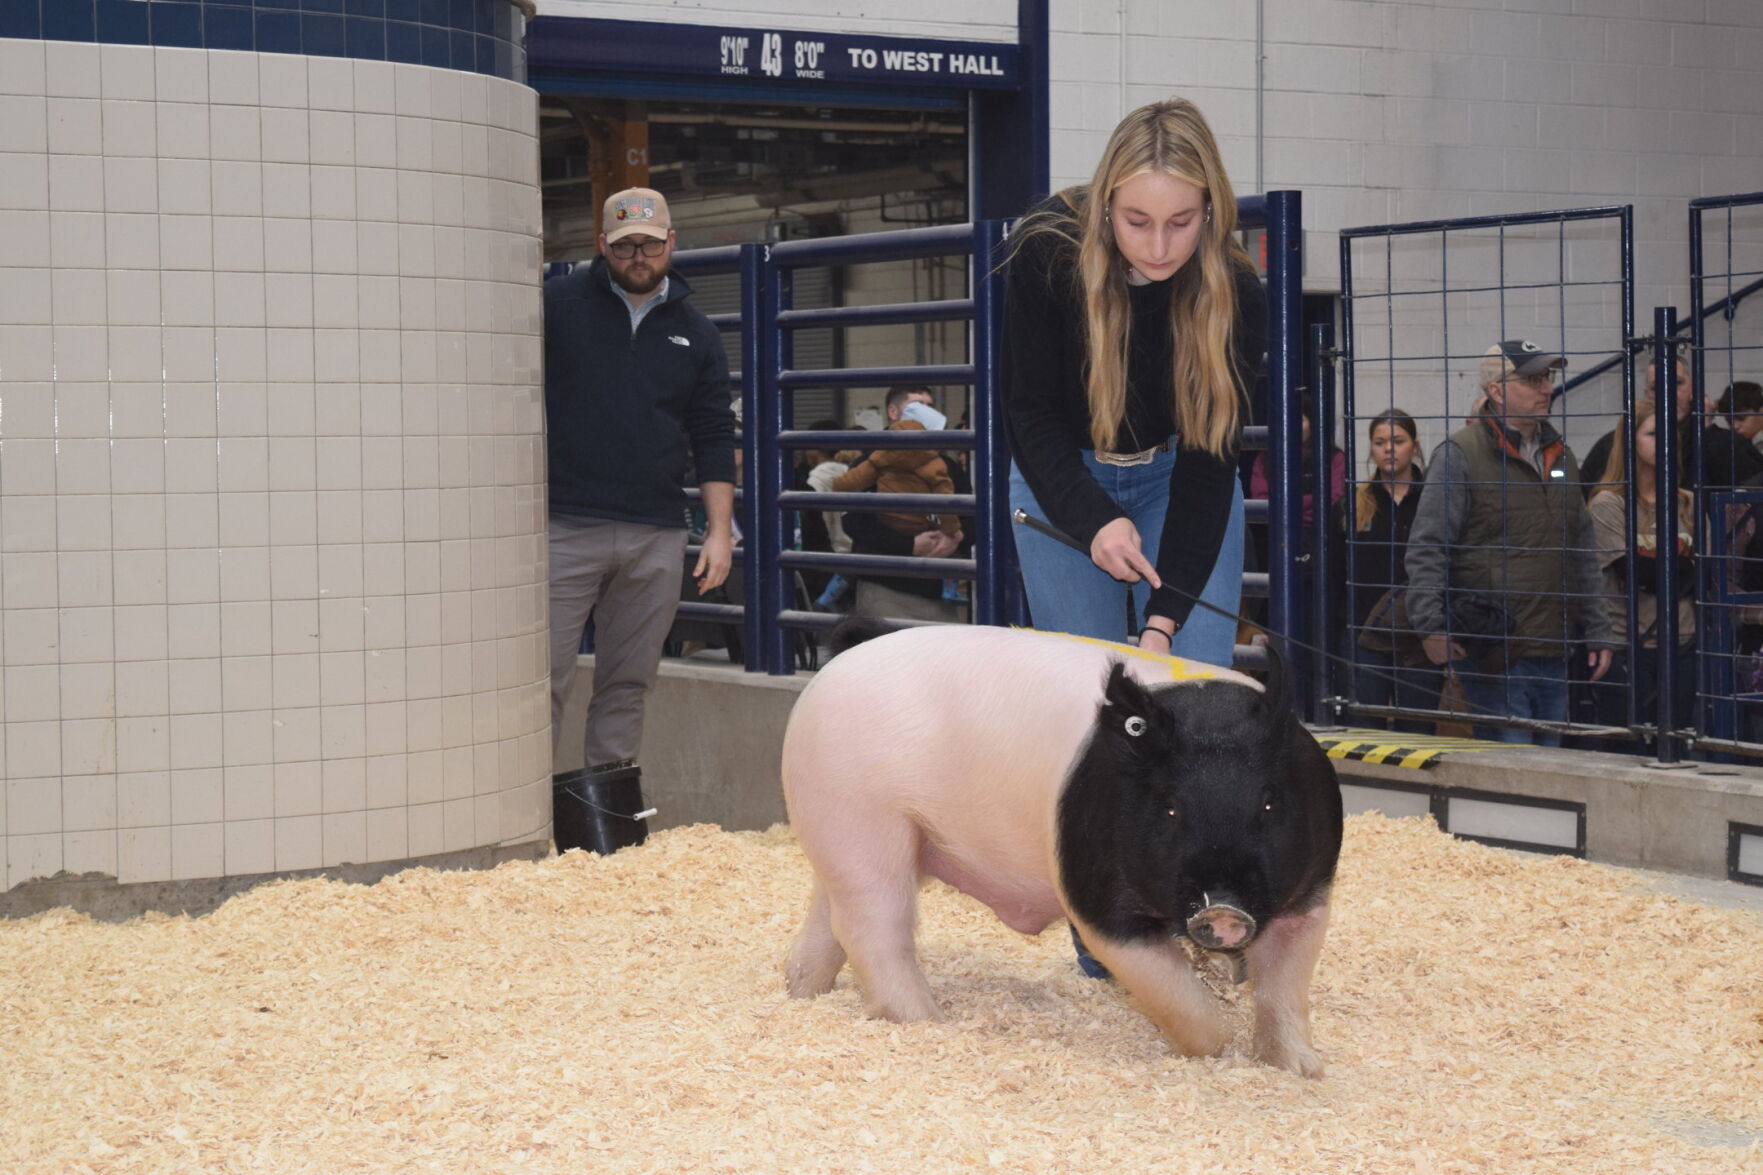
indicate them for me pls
(971, 20)
(1383, 111)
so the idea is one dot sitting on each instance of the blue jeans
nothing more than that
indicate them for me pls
(1379, 681)
(1531, 687)
(1068, 593)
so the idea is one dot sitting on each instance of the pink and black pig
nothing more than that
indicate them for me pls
(1143, 798)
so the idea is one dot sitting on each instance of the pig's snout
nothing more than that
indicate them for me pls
(1221, 926)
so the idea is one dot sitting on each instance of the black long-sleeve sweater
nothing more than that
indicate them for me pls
(623, 408)
(1046, 411)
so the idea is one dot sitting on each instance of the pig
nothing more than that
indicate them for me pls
(1143, 798)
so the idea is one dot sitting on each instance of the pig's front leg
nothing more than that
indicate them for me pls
(1282, 961)
(1161, 978)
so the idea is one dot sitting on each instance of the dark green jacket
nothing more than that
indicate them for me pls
(1517, 533)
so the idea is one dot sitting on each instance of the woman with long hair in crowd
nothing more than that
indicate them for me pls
(1133, 328)
(1615, 556)
(1389, 667)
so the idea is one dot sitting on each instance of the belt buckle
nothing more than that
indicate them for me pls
(1126, 460)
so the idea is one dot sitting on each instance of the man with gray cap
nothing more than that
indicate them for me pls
(635, 380)
(1502, 561)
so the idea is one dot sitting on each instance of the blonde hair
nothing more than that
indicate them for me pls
(1616, 472)
(1171, 138)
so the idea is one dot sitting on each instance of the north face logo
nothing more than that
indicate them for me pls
(680, 339)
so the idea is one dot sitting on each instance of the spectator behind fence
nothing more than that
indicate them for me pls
(1389, 665)
(1260, 484)
(1729, 444)
(1502, 556)
(635, 377)
(820, 530)
(903, 471)
(1607, 514)
(1133, 325)
(1598, 456)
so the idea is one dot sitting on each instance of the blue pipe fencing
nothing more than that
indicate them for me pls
(1443, 290)
(767, 379)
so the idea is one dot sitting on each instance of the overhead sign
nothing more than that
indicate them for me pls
(768, 55)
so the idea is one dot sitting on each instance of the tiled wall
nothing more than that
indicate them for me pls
(272, 553)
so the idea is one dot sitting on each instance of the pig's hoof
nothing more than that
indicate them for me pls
(1294, 1057)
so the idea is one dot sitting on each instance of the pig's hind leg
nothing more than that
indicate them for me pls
(816, 956)
(1282, 961)
(873, 906)
(1162, 979)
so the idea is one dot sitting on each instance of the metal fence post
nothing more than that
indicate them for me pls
(1322, 634)
(754, 366)
(1665, 529)
(990, 465)
(768, 476)
(1284, 361)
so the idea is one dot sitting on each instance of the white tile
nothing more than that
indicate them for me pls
(334, 249)
(130, 128)
(125, 297)
(190, 465)
(88, 747)
(76, 126)
(293, 570)
(33, 805)
(141, 632)
(81, 354)
(244, 635)
(299, 786)
(192, 576)
(143, 749)
(195, 741)
(339, 458)
(239, 299)
(459, 830)
(287, 244)
(186, 299)
(192, 521)
(293, 461)
(29, 857)
(376, 141)
(33, 693)
(144, 854)
(342, 678)
(27, 467)
(333, 191)
(331, 137)
(181, 75)
(286, 136)
(427, 834)
(197, 797)
(244, 519)
(415, 144)
(339, 522)
(296, 679)
(345, 838)
(22, 69)
(376, 190)
(331, 83)
(250, 847)
(129, 240)
(143, 800)
(85, 579)
(287, 190)
(249, 791)
(24, 183)
(248, 737)
(243, 409)
(386, 732)
(345, 785)
(237, 188)
(294, 628)
(25, 237)
(375, 86)
(238, 243)
(232, 77)
(387, 835)
(187, 242)
(244, 575)
(293, 518)
(386, 670)
(131, 185)
(289, 353)
(235, 132)
(198, 850)
(341, 626)
(244, 463)
(299, 842)
(81, 467)
(142, 688)
(90, 852)
(30, 525)
(193, 630)
(241, 353)
(24, 123)
(281, 79)
(134, 352)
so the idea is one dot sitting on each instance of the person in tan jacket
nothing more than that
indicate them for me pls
(904, 471)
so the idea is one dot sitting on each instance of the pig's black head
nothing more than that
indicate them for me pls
(1193, 794)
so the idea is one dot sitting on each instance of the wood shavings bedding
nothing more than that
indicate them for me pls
(1478, 1010)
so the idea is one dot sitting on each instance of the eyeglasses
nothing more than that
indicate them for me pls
(625, 250)
(1535, 382)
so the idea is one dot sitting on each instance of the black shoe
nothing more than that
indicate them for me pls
(599, 809)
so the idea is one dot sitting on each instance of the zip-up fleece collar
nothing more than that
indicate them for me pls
(1549, 443)
(600, 277)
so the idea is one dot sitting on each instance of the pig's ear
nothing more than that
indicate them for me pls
(1128, 707)
(1277, 689)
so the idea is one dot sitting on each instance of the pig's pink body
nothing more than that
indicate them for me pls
(943, 752)
(962, 738)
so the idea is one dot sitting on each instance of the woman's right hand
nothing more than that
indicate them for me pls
(1116, 550)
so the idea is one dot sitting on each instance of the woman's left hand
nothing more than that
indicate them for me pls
(1116, 549)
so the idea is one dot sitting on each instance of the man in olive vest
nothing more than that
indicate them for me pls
(1502, 560)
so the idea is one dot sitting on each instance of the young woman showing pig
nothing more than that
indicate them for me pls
(1133, 326)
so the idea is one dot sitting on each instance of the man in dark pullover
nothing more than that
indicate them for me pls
(634, 378)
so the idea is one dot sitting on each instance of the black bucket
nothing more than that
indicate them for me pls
(598, 809)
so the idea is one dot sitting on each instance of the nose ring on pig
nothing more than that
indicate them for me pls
(1221, 926)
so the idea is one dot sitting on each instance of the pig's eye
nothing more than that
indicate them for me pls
(1170, 813)
(1135, 726)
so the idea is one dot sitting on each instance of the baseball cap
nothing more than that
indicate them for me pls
(635, 210)
(1517, 357)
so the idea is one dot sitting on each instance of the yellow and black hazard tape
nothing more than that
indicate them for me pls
(1408, 750)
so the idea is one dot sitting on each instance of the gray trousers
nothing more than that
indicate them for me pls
(628, 576)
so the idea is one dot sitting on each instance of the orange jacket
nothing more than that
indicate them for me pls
(904, 471)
